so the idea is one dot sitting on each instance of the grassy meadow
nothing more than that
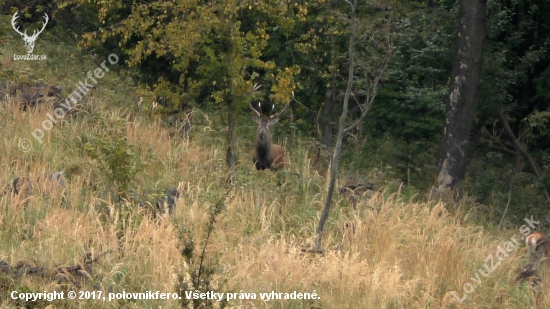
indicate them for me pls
(394, 250)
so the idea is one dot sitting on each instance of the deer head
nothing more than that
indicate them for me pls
(29, 40)
(266, 154)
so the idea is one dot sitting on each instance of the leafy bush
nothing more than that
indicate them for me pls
(118, 161)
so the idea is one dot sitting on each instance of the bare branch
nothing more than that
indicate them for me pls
(309, 109)
(524, 152)
(370, 100)
(495, 141)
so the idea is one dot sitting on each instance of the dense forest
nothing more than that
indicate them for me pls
(438, 100)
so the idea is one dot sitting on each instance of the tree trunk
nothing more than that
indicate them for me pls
(327, 118)
(462, 100)
(364, 106)
(341, 128)
(330, 100)
(231, 155)
(330, 94)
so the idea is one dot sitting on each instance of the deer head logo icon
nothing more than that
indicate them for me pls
(29, 40)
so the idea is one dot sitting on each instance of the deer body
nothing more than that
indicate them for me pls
(266, 154)
(534, 243)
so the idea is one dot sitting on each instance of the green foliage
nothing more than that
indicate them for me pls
(193, 51)
(80, 19)
(538, 121)
(542, 85)
(118, 162)
(315, 42)
(515, 58)
(410, 104)
(515, 63)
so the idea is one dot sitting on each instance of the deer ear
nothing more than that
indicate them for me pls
(256, 119)
(273, 121)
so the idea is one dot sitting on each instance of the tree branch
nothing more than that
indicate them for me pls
(341, 126)
(366, 106)
(496, 139)
(524, 152)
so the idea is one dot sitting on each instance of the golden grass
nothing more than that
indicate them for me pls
(388, 253)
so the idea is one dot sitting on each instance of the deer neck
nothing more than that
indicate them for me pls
(263, 146)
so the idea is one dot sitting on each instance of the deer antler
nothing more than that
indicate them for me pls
(281, 112)
(46, 19)
(254, 110)
(284, 109)
(254, 88)
(15, 16)
(272, 110)
(34, 33)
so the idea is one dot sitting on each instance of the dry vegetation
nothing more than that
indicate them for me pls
(387, 253)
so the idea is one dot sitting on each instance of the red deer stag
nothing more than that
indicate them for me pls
(266, 154)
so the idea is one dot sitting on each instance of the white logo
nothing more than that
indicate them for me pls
(29, 40)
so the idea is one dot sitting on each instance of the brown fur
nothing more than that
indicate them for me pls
(272, 157)
(266, 154)
(535, 241)
(279, 154)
